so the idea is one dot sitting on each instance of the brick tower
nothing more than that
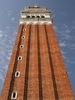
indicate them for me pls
(36, 70)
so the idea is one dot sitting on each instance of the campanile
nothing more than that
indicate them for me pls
(36, 70)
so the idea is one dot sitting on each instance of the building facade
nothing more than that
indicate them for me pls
(36, 70)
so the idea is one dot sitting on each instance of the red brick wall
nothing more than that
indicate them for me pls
(7, 82)
(42, 71)
(62, 82)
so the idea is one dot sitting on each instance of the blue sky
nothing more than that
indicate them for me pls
(64, 25)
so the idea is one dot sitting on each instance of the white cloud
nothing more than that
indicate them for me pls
(12, 18)
(8, 57)
(67, 31)
(66, 36)
(1, 76)
(73, 27)
(63, 14)
(62, 52)
(70, 61)
(9, 54)
(62, 44)
(73, 22)
(7, 27)
(9, 13)
(65, 25)
(1, 33)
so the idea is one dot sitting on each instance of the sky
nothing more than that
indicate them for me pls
(63, 23)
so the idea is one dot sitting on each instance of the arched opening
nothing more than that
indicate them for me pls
(42, 16)
(33, 16)
(28, 16)
(38, 16)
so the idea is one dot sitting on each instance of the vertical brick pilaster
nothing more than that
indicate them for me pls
(33, 90)
(47, 83)
(64, 89)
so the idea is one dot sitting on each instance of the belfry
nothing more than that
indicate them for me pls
(36, 70)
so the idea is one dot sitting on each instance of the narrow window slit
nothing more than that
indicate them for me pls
(21, 46)
(14, 95)
(23, 37)
(19, 57)
(17, 74)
